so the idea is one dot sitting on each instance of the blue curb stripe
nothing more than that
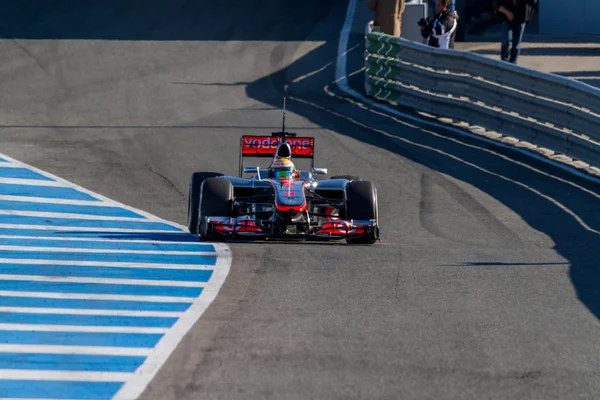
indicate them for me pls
(184, 275)
(111, 257)
(105, 211)
(21, 173)
(174, 237)
(108, 245)
(85, 320)
(59, 389)
(70, 362)
(47, 192)
(41, 302)
(102, 339)
(99, 288)
(73, 222)
(154, 260)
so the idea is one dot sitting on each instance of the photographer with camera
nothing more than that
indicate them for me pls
(441, 31)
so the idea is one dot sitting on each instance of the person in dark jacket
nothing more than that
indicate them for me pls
(441, 31)
(517, 14)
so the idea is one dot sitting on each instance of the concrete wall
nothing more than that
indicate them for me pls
(565, 17)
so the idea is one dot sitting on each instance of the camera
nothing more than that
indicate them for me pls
(423, 22)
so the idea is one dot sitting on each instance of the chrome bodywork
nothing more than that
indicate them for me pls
(301, 208)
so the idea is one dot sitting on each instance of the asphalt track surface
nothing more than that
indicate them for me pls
(486, 284)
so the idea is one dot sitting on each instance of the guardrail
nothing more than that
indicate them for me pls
(543, 109)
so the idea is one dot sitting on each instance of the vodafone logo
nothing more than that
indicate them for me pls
(300, 144)
(269, 143)
(260, 143)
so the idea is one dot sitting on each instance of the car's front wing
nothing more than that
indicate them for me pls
(330, 230)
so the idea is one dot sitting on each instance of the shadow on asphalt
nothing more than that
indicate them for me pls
(590, 77)
(567, 210)
(550, 51)
(156, 19)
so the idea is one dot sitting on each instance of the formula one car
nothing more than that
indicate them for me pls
(274, 204)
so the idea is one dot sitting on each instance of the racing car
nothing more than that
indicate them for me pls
(268, 206)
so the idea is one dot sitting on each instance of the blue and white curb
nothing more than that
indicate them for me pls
(94, 295)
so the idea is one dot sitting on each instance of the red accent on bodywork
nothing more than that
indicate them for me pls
(240, 226)
(330, 211)
(267, 145)
(300, 208)
(341, 228)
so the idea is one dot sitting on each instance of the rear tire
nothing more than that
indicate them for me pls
(361, 204)
(194, 198)
(216, 200)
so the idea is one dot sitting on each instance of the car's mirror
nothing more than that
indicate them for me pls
(251, 170)
(319, 171)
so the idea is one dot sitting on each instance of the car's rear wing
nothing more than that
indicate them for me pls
(266, 146)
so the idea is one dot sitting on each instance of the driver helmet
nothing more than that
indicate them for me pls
(282, 168)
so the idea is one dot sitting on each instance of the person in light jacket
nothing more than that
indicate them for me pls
(387, 15)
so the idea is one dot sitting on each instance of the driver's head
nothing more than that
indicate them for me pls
(282, 168)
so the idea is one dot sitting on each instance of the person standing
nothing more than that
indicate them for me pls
(441, 30)
(517, 13)
(387, 15)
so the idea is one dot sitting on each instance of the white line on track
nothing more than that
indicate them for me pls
(4, 164)
(88, 229)
(78, 311)
(77, 328)
(81, 376)
(70, 216)
(108, 281)
(85, 296)
(84, 239)
(31, 182)
(105, 251)
(27, 199)
(106, 264)
(51, 349)
(144, 374)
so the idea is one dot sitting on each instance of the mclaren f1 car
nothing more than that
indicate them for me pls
(269, 205)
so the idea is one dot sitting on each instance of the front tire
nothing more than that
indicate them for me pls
(216, 200)
(194, 198)
(361, 204)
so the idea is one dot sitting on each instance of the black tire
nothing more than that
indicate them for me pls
(194, 198)
(216, 199)
(348, 177)
(361, 203)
